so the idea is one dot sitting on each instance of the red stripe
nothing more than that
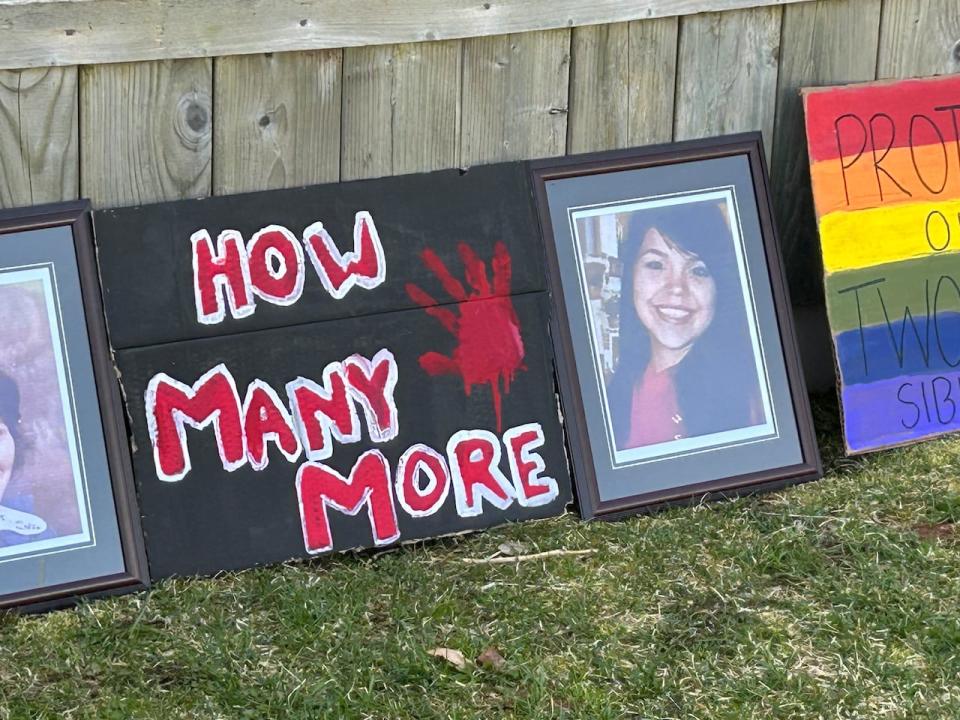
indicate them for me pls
(891, 105)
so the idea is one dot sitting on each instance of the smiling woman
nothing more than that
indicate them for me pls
(682, 319)
(677, 367)
(674, 325)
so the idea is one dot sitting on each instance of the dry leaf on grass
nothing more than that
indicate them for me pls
(513, 547)
(454, 657)
(936, 530)
(491, 659)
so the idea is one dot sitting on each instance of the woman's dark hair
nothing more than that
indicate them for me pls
(716, 381)
(10, 413)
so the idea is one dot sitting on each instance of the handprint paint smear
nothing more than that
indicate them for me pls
(489, 344)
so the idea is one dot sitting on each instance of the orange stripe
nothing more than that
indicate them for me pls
(857, 187)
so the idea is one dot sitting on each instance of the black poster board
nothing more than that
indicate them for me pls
(426, 352)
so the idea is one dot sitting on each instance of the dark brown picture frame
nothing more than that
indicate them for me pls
(119, 485)
(748, 145)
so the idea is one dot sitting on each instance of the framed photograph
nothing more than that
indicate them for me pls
(678, 366)
(68, 518)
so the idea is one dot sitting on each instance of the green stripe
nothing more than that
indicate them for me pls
(904, 284)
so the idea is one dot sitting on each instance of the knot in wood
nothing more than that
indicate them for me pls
(196, 117)
(193, 120)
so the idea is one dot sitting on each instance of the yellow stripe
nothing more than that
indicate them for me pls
(851, 240)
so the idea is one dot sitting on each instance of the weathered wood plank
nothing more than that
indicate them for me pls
(278, 120)
(622, 84)
(653, 67)
(39, 161)
(727, 73)
(367, 145)
(919, 37)
(36, 34)
(515, 93)
(145, 131)
(400, 109)
(599, 116)
(823, 43)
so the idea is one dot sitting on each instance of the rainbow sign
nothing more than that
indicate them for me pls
(885, 167)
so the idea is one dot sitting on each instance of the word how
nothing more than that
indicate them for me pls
(271, 267)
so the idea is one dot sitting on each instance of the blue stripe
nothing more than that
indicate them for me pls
(914, 346)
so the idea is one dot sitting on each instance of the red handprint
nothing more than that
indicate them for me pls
(489, 346)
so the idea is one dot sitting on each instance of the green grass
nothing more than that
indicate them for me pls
(837, 599)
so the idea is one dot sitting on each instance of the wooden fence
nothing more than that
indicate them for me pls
(141, 132)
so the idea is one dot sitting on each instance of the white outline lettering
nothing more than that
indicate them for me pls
(327, 425)
(466, 508)
(179, 418)
(259, 463)
(343, 261)
(272, 252)
(527, 456)
(368, 367)
(364, 500)
(220, 280)
(418, 467)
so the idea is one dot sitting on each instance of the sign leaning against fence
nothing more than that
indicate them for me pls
(678, 366)
(68, 521)
(885, 167)
(342, 366)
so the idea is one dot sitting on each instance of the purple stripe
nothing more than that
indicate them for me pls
(898, 410)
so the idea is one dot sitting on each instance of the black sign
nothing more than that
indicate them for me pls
(334, 367)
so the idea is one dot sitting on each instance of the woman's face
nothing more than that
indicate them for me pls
(7, 453)
(674, 293)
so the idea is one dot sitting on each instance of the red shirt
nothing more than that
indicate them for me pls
(654, 412)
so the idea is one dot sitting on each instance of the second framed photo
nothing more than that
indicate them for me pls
(678, 366)
(69, 524)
